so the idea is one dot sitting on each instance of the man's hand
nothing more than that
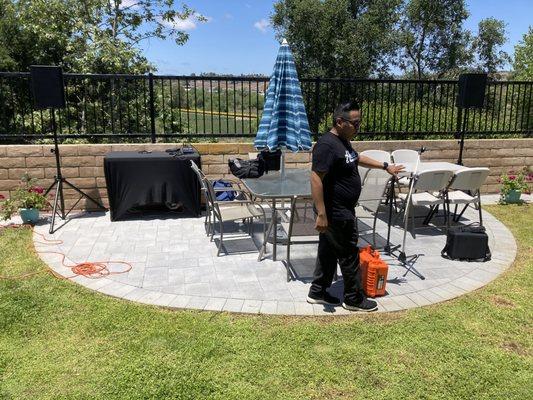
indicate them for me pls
(321, 223)
(394, 169)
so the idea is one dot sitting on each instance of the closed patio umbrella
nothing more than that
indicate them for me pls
(284, 123)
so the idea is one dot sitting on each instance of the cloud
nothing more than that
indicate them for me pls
(262, 25)
(228, 16)
(187, 24)
(129, 3)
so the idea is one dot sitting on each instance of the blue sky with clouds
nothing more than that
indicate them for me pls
(237, 38)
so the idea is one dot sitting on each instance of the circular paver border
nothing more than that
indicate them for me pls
(503, 254)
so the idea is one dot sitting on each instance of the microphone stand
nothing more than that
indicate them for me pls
(407, 261)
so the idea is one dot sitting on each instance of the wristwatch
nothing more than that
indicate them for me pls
(385, 165)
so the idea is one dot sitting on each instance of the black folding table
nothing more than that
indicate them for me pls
(135, 179)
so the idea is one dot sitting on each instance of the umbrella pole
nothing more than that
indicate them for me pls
(282, 164)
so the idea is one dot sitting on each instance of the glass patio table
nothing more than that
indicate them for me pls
(275, 186)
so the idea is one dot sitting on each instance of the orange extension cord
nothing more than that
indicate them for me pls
(93, 270)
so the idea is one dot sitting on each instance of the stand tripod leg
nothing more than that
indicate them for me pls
(54, 209)
(408, 264)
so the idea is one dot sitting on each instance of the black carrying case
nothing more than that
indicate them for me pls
(468, 243)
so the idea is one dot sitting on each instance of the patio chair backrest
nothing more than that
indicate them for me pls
(469, 179)
(362, 173)
(378, 155)
(207, 188)
(302, 217)
(405, 156)
(433, 180)
(373, 191)
(200, 175)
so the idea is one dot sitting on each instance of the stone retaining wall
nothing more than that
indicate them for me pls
(83, 164)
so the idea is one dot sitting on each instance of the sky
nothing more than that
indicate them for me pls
(238, 39)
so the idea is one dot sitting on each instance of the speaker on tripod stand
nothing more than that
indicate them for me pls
(471, 95)
(49, 93)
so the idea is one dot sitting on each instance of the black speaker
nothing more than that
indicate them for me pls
(47, 86)
(471, 90)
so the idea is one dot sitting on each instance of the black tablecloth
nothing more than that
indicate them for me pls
(139, 179)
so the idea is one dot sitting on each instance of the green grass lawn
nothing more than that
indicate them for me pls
(59, 340)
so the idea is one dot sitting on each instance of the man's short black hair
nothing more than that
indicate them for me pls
(343, 109)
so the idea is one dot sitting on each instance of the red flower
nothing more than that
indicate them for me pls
(36, 189)
(512, 178)
(2, 197)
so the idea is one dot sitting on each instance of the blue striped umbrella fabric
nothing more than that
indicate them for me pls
(284, 122)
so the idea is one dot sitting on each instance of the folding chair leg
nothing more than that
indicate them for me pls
(461, 213)
(288, 260)
(221, 238)
(479, 209)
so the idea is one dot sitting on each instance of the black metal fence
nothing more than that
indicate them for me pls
(157, 108)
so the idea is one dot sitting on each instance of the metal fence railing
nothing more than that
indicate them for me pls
(158, 108)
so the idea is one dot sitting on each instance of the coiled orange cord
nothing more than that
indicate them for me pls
(93, 270)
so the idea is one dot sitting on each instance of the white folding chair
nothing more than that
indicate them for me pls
(402, 156)
(405, 156)
(378, 155)
(467, 180)
(372, 194)
(421, 193)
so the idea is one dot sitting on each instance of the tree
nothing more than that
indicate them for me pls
(432, 39)
(523, 57)
(491, 36)
(338, 38)
(97, 36)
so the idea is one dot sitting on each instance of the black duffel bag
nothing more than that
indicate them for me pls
(468, 243)
(246, 168)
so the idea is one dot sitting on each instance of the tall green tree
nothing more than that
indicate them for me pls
(432, 39)
(338, 38)
(87, 36)
(490, 37)
(523, 57)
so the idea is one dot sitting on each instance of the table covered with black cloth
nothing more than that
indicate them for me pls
(138, 179)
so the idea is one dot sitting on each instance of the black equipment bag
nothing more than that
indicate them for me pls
(469, 243)
(272, 159)
(246, 168)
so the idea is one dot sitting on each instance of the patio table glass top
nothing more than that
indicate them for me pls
(295, 182)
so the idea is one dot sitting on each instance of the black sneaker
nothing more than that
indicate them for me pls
(364, 305)
(323, 298)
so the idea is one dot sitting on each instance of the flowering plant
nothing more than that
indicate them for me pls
(516, 181)
(27, 195)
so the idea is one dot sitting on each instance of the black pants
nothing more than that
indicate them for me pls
(338, 243)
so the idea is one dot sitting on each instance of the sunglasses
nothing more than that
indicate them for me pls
(355, 123)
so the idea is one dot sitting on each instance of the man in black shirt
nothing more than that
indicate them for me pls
(335, 186)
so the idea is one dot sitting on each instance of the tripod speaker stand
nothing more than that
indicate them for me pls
(49, 93)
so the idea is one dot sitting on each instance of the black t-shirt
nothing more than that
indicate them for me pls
(342, 183)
